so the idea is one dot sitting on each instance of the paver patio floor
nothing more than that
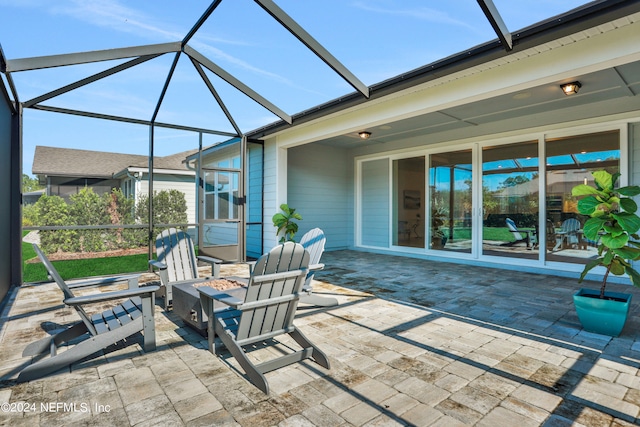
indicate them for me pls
(413, 342)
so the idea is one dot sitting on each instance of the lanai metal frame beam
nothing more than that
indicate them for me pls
(492, 14)
(211, 66)
(40, 62)
(88, 80)
(129, 120)
(215, 94)
(301, 34)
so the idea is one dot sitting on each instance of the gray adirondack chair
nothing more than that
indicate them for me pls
(313, 241)
(102, 329)
(177, 262)
(570, 234)
(268, 311)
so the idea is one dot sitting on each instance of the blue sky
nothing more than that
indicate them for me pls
(374, 39)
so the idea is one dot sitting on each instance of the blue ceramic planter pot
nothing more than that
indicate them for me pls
(602, 316)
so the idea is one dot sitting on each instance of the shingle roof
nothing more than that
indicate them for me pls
(55, 161)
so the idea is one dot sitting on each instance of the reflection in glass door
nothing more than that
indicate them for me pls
(570, 162)
(450, 197)
(510, 200)
(408, 202)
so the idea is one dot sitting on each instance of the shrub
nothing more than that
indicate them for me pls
(169, 207)
(53, 211)
(88, 208)
(29, 215)
(121, 210)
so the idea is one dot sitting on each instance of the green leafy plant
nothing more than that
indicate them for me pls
(613, 221)
(285, 223)
(169, 207)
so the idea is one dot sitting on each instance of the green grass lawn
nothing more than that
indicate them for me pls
(501, 234)
(77, 268)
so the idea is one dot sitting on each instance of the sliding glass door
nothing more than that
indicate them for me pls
(408, 202)
(510, 200)
(570, 162)
(487, 200)
(450, 197)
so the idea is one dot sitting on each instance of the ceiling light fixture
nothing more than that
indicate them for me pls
(571, 88)
(364, 134)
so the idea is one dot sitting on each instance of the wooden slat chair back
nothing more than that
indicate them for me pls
(273, 293)
(551, 236)
(569, 231)
(177, 262)
(127, 318)
(514, 230)
(175, 249)
(314, 241)
(268, 310)
(517, 234)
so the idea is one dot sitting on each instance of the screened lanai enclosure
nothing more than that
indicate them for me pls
(221, 214)
(241, 106)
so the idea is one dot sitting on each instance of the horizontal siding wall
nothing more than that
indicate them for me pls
(375, 203)
(254, 201)
(270, 194)
(319, 184)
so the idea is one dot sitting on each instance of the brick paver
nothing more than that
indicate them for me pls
(413, 342)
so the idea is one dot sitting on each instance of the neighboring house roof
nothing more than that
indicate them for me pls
(55, 161)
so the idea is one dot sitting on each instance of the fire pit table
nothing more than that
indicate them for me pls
(186, 300)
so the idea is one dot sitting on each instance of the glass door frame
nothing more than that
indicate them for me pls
(476, 147)
(540, 138)
(230, 252)
(624, 168)
(473, 147)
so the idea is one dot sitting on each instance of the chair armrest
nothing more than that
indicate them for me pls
(105, 281)
(215, 264)
(316, 267)
(107, 296)
(157, 264)
(220, 296)
(209, 259)
(251, 265)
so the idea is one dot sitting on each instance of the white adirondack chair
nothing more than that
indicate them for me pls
(177, 262)
(313, 241)
(267, 311)
(102, 329)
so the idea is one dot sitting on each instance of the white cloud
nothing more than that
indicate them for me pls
(422, 13)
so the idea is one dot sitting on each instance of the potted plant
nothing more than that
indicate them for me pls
(615, 225)
(285, 223)
(438, 237)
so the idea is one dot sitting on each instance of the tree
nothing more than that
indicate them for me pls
(169, 207)
(53, 211)
(121, 210)
(30, 184)
(88, 208)
(512, 181)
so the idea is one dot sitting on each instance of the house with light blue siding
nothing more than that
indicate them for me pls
(456, 147)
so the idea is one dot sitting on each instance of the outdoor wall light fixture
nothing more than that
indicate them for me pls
(571, 88)
(364, 134)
